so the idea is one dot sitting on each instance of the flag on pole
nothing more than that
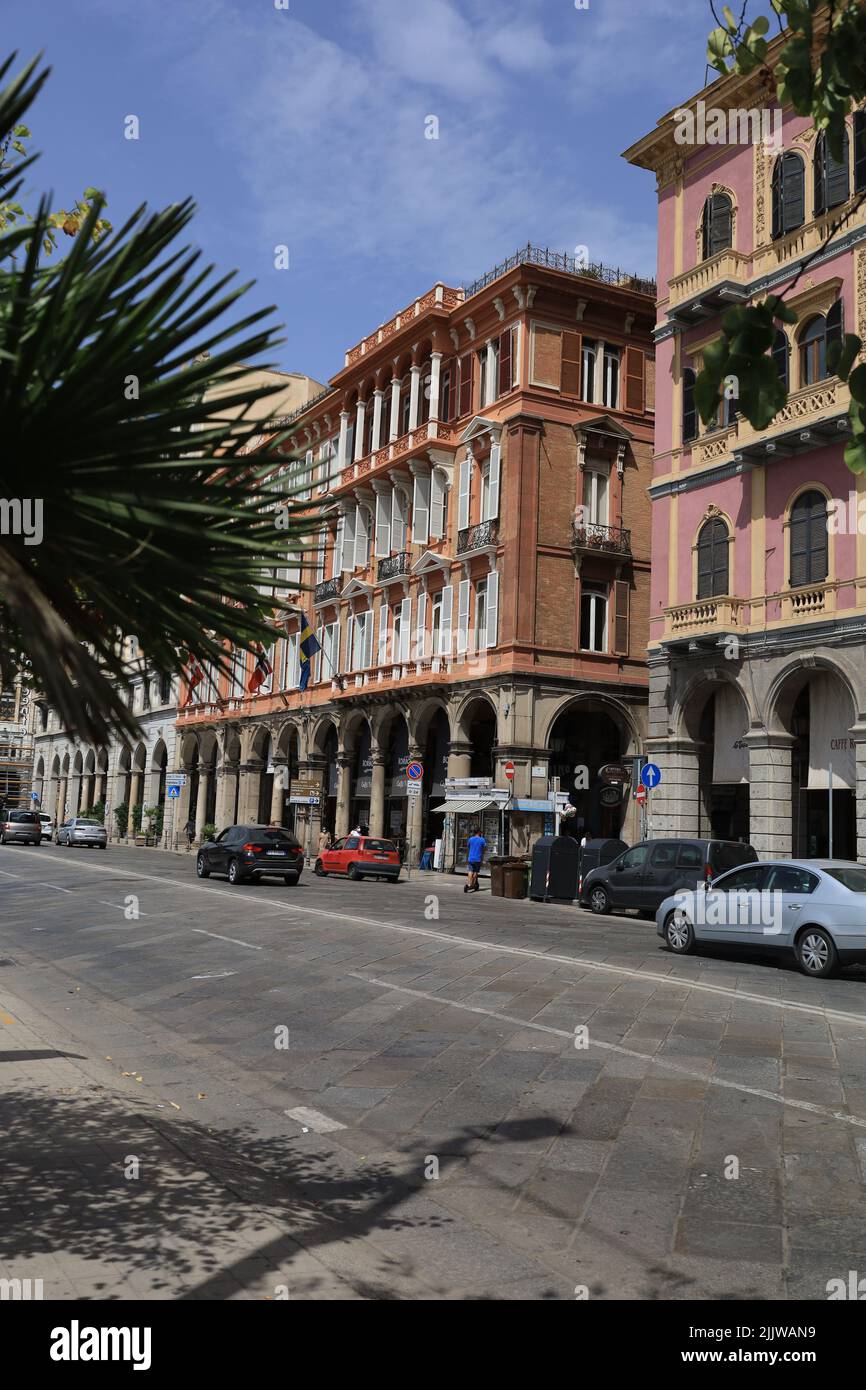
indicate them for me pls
(308, 645)
(194, 677)
(261, 671)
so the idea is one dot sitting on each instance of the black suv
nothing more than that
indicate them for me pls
(246, 852)
(650, 871)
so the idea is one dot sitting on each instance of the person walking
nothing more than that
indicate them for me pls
(477, 846)
(324, 840)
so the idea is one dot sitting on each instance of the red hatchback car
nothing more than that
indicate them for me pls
(360, 856)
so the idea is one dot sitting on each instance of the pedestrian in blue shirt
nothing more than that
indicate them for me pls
(477, 846)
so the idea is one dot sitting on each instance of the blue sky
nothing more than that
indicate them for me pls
(306, 127)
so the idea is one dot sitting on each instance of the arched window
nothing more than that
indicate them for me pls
(713, 559)
(809, 539)
(690, 414)
(718, 224)
(781, 354)
(789, 193)
(831, 175)
(817, 336)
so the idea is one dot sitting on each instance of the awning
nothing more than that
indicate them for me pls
(467, 806)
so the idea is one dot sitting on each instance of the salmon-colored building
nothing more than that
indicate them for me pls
(478, 581)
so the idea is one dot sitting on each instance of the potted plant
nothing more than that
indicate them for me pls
(98, 811)
(208, 832)
(121, 819)
(137, 813)
(151, 815)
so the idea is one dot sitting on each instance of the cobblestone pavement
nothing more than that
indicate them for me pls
(377, 1091)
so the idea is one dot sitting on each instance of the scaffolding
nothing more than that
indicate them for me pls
(16, 750)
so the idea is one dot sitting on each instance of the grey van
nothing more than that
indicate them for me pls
(650, 871)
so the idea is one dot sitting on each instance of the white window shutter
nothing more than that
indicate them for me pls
(307, 476)
(421, 509)
(421, 629)
(405, 628)
(362, 538)
(463, 617)
(337, 559)
(383, 524)
(382, 654)
(446, 621)
(492, 607)
(348, 548)
(367, 659)
(320, 555)
(437, 503)
(493, 499)
(463, 496)
(398, 520)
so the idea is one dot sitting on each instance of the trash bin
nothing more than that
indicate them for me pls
(554, 869)
(497, 864)
(514, 875)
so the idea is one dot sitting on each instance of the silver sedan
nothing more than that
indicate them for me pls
(82, 830)
(812, 908)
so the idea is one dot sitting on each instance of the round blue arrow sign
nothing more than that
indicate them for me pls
(650, 775)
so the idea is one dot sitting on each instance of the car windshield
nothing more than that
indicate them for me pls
(853, 878)
(378, 844)
(27, 817)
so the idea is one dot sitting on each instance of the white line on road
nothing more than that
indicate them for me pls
(313, 1119)
(577, 962)
(621, 1052)
(214, 975)
(200, 931)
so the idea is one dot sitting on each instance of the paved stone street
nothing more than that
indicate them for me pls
(160, 1140)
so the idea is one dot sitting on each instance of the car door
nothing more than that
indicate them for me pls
(330, 861)
(217, 856)
(347, 853)
(690, 867)
(786, 892)
(625, 876)
(660, 878)
(733, 909)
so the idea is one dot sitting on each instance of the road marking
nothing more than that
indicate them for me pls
(6, 874)
(214, 975)
(121, 907)
(200, 931)
(621, 1052)
(55, 888)
(313, 1119)
(580, 962)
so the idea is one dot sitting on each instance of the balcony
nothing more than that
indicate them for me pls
(703, 617)
(812, 417)
(414, 441)
(328, 590)
(393, 567)
(589, 538)
(476, 540)
(709, 287)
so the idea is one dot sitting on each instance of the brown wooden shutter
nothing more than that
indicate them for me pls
(465, 404)
(650, 383)
(634, 392)
(505, 361)
(621, 591)
(569, 372)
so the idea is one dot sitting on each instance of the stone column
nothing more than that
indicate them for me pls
(204, 775)
(227, 794)
(394, 424)
(435, 367)
(377, 796)
(378, 412)
(359, 429)
(770, 799)
(248, 802)
(491, 386)
(672, 809)
(344, 794)
(278, 792)
(414, 395)
(343, 445)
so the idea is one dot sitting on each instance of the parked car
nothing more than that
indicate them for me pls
(20, 828)
(360, 856)
(813, 908)
(650, 871)
(47, 825)
(245, 852)
(81, 830)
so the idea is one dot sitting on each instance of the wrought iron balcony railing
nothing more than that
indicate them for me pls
(609, 540)
(328, 589)
(392, 566)
(484, 536)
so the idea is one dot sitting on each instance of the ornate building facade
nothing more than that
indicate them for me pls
(478, 577)
(758, 610)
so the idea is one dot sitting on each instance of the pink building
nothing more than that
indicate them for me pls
(758, 593)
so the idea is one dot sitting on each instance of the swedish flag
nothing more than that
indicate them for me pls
(308, 645)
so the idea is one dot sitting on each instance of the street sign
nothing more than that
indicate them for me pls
(175, 779)
(413, 788)
(640, 795)
(611, 794)
(414, 772)
(650, 775)
(172, 791)
(509, 771)
(614, 772)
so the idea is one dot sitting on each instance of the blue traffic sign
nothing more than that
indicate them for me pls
(172, 791)
(650, 775)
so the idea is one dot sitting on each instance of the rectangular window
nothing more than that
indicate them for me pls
(446, 399)
(588, 386)
(593, 618)
(362, 645)
(291, 663)
(481, 615)
(464, 404)
(396, 632)
(507, 361)
(610, 391)
(436, 625)
(595, 493)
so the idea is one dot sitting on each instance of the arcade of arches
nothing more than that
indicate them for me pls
(775, 756)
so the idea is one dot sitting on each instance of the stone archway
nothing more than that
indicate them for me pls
(586, 735)
(715, 717)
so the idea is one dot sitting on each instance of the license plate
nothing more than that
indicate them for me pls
(275, 854)
(380, 856)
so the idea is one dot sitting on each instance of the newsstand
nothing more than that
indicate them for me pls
(507, 876)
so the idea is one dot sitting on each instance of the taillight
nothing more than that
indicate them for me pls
(253, 849)
(708, 876)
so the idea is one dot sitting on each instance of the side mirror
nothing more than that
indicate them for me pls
(619, 868)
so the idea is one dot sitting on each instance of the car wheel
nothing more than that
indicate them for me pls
(235, 875)
(599, 900)
(291, 879)
(103, 846)
(816, 954)
(201, 867)
(679, 933)
(354, 873)
(322, 873)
